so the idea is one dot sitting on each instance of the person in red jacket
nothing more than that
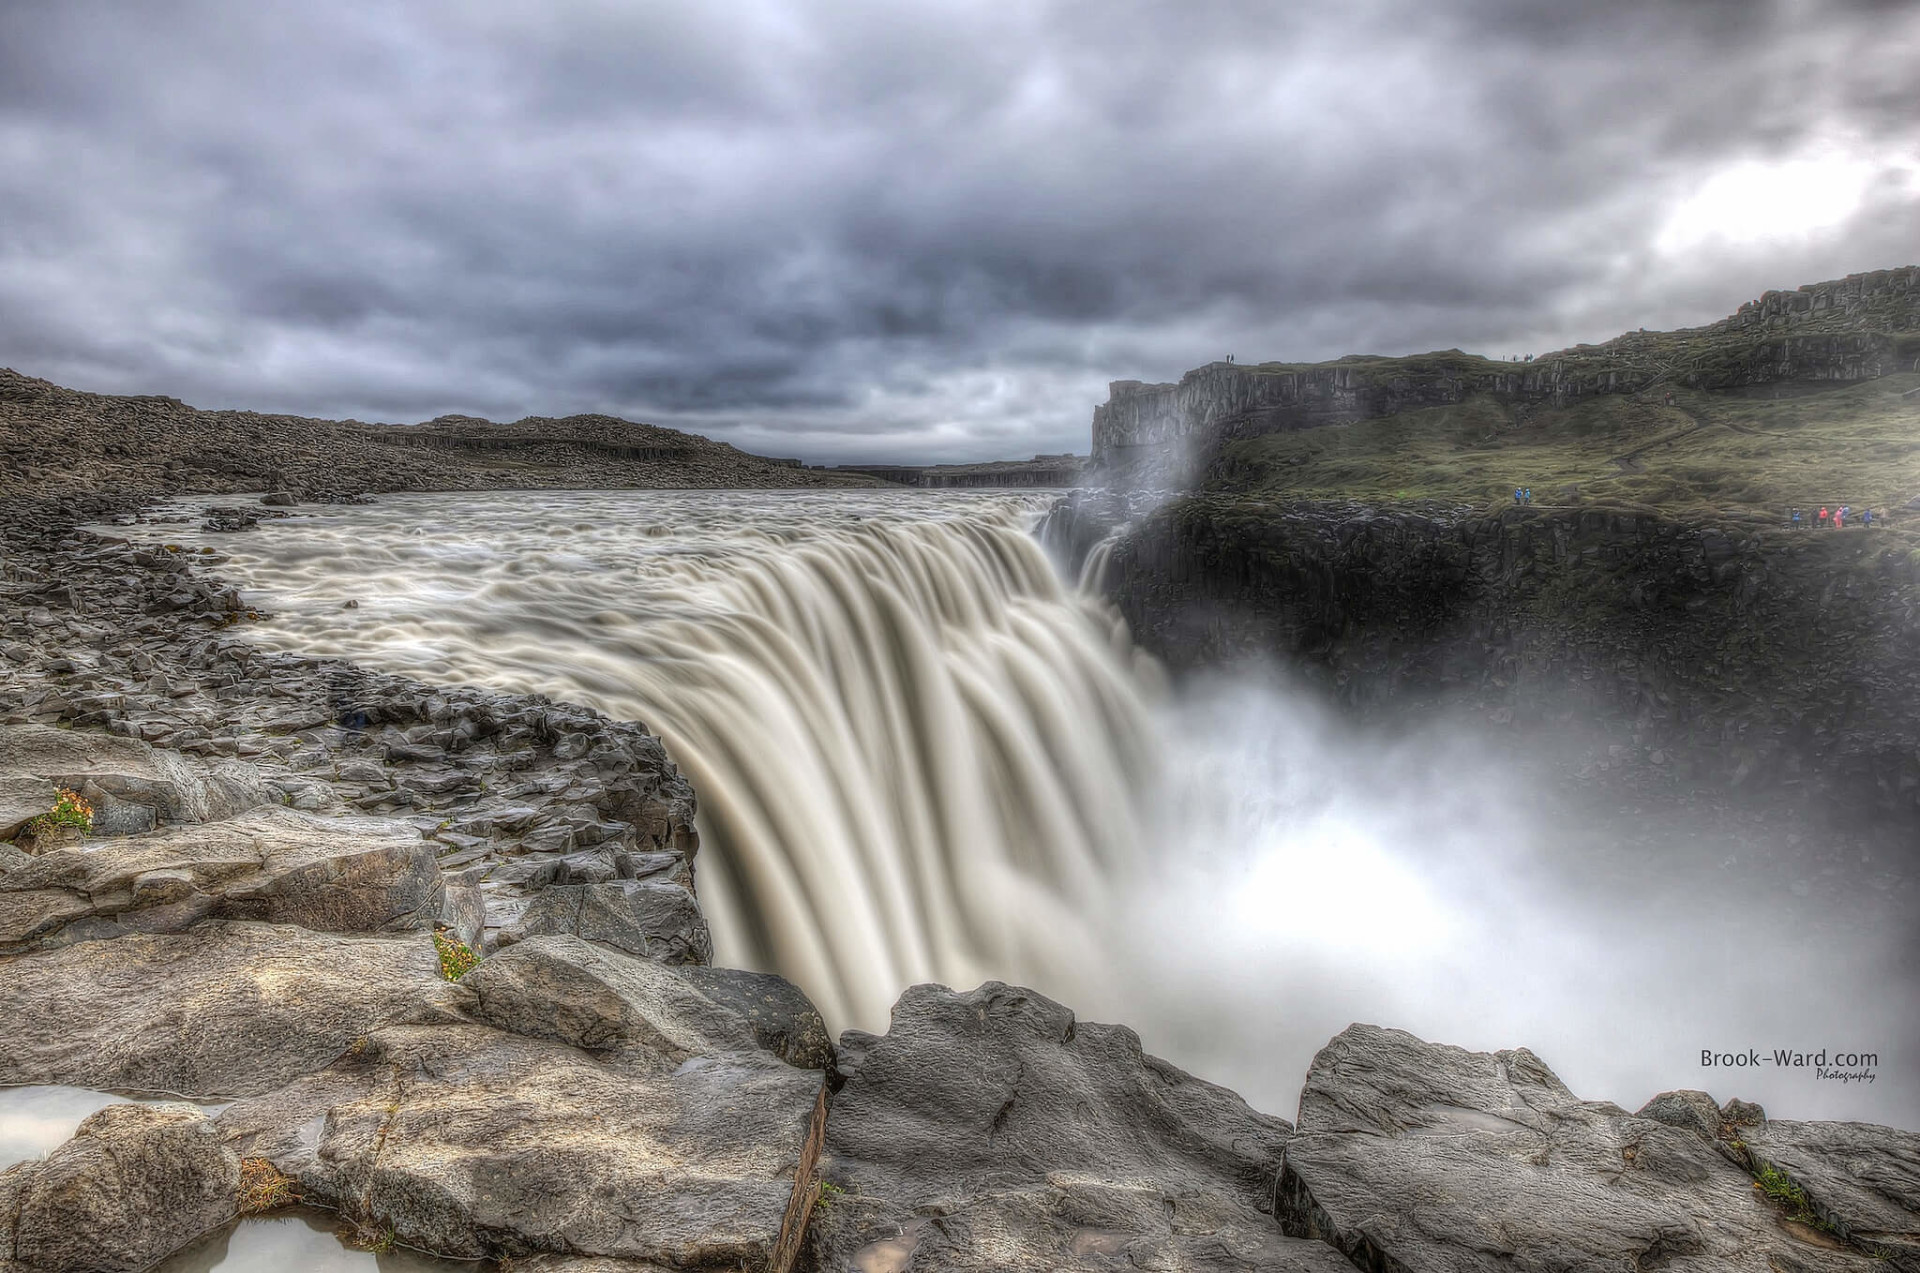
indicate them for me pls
(1823, 517)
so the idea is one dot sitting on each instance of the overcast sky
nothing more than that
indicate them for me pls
(902, 230)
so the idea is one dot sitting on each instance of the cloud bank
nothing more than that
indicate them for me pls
(915, 231)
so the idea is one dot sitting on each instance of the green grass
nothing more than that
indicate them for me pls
(1789, 1197)
(457, 959)
(1709, 452)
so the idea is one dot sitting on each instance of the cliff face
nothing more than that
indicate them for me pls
(1857, 328)
(1734, 652)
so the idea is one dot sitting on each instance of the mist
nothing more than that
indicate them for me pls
(1311, 872)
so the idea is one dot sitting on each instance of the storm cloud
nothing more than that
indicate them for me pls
(896, 230)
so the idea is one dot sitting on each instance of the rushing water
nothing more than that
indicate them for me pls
(920, 756)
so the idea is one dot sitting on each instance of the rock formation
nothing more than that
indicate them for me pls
(1856, 328)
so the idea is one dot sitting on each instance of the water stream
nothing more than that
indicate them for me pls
(921, 756)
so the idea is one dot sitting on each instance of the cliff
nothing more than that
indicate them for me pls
(1737, 652)
(1847, 330)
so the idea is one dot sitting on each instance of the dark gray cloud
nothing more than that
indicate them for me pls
(849, 229)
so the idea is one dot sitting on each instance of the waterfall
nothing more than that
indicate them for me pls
(918, 755)
(917, 758)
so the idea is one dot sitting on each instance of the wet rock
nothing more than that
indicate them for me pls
(992, 1130)
(471, 1141)
(273, 864)
(23, 798)
(778, 1012)
(127, 769)
(1861, 1177)
(224, 1009)
(1422, 1156)
(603, 1000)
(135, 1184)
(644, 917)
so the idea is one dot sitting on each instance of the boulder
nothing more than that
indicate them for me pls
(993, 1131)
(1862, 1178)
(778, 1012)
(470, 1142)
(99, 766)
(272, 864)
(135, 1184)
(645, 917)
(22, 799)
(604, 1000)
(226, 1009)
(1420, 1156)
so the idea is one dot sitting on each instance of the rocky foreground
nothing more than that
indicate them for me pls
(291, 862)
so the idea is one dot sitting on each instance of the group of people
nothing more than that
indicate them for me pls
(1523, 495)
(1836, 518)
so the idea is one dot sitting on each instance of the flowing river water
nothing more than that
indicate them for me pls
(920, 755)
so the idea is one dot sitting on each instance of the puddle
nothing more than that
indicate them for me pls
(34, 1121)
(297, 1240)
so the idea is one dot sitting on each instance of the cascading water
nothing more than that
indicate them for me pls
(918, 755)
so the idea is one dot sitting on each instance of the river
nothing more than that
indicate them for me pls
(921, 755)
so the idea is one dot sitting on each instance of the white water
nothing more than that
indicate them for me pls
(920, 757)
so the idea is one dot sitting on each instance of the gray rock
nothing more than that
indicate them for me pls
(470, 1142)
(464, 910)
(280, 499)
(129, 770)
(135, 1184)
(225, 1009)
(273, 864)
(1863, 1178)
(23, 798)
(1692, 1110)
(992, 1131)
(604, 1000)
(1419, 1156)
(645, 917)
(778, 1012)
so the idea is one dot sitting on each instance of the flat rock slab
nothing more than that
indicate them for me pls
(471, 1141)
(271, 864)
(22, 799)
(1864, 1176)
(993, 1131)
(134, 1184)
(1432, 1159)
(645, 917)
(226, 1009)
(109, 769)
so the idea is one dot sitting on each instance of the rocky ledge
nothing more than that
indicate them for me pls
(433, 959)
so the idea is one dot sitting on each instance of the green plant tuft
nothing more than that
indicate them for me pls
(69, 810)
(457, 959)
(1781, 1190)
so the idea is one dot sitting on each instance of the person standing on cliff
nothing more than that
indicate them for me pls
(1795, 518)
(1823, 517)
(1840, 517)
(1866, 518)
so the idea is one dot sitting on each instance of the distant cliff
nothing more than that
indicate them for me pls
(1857, 328)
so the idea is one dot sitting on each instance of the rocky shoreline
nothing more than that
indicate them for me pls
(286, 851)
